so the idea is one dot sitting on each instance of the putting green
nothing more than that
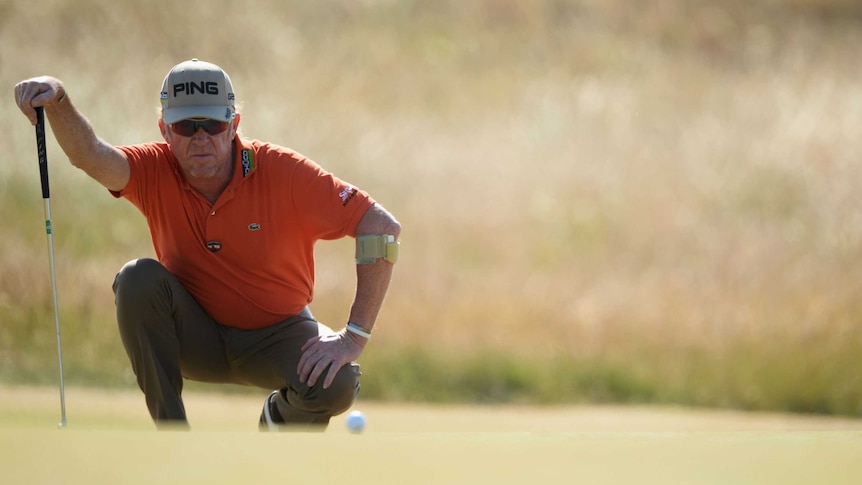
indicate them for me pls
(110, 440)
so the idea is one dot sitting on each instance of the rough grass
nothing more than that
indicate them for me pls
(602, 201)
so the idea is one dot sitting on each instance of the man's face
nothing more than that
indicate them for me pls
(202, 156)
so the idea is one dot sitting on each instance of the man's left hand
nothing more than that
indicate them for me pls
(330, 352)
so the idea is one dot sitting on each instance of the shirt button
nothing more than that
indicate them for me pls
(212, 213)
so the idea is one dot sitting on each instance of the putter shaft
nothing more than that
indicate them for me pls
(49, 231)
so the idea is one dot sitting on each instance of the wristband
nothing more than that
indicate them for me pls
(356, 329)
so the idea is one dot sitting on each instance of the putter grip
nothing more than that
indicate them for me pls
(42, 150)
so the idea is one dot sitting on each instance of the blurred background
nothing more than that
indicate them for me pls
(602, 200)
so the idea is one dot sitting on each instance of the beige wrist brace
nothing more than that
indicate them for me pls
(371, 247)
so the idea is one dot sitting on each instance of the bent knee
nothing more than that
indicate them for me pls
(342, 393)
(138, 278)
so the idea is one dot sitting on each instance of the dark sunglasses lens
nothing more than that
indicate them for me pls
(190, 127)
(213, 127)
(183, 128)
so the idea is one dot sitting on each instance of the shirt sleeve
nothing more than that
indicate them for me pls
(144, 161)
(331, 207)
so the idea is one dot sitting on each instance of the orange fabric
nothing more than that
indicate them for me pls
(266, 222)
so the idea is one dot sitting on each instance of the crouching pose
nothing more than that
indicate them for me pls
(233, 223)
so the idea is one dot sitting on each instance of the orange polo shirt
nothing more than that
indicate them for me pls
(248, 259)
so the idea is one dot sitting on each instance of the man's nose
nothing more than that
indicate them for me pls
(201, 135)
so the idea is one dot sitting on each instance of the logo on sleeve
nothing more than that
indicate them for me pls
(347, 194)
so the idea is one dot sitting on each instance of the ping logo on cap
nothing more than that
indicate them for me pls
(203, 87)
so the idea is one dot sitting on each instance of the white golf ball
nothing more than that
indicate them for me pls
(355, 421)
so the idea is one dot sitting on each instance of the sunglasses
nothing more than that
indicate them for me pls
(190, 127)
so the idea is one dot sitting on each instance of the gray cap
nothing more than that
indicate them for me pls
(197, 89)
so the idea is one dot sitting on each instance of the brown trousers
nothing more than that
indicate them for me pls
(168, 336)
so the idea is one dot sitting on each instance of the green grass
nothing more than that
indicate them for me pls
(601, 202)
(457, 458)
(110, 436)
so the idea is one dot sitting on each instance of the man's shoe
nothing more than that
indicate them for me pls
(269, 417)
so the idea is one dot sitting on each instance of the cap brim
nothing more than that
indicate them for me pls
(221, 113)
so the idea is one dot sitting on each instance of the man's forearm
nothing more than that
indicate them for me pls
(372, 280)
(372, 283)
(85, 150)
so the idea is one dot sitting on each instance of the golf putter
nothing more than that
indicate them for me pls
(42, 151)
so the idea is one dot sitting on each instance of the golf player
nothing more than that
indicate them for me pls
(233, 223)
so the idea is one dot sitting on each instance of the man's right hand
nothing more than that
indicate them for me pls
(38, 91)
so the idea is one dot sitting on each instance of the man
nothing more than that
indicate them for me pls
(233, 223)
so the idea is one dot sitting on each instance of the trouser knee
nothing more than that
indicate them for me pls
(345, 387)
(141, 295)
(316, 405)
(137, 278)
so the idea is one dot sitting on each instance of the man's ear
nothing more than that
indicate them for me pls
(236, 122)
(164, 129)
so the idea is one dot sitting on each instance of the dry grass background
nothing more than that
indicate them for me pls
(602, 200)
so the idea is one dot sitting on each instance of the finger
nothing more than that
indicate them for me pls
(23, 102)
(321, 366)
(43, 97)
(309, 343)
(303, 368)
(303, 360)
(34, 96)
(330, 376)
(19, 93)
